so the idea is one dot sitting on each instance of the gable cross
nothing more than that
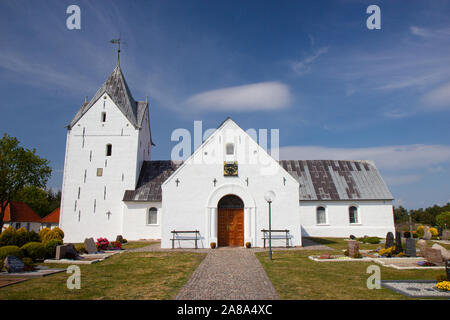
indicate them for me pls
(177, 182)
(215, 181)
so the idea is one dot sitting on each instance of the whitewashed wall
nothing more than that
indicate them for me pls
(119, 172)
(376, 218)
(192, 205)
(135, 225)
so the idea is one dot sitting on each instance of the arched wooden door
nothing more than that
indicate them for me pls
(230, 221)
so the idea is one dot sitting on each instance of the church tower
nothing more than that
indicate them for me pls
(107, 142)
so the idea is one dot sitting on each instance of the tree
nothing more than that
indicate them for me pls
(19, 167)
(36, 198)
(443, 220)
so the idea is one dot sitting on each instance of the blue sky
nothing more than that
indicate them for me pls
(335, 89)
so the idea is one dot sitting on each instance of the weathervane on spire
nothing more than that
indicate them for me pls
(117, 41)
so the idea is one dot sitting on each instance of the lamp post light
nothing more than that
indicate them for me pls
(270, 197)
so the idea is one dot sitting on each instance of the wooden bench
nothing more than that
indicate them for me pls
(175, 236)
(285, 236)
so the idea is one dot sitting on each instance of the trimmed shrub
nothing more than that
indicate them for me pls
(33, 236)
(61, 233)
(34, 250)
(10, 251)
(27, 261)
(80, 248)
(8, 237)
(51, 235)
(50, 247)
(22, 237)
(43, 232)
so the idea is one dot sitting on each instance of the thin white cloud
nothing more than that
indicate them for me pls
(399, 179)
(303, 66)
(251, 97)
(429, 33)
(388, 157)
(438, 98)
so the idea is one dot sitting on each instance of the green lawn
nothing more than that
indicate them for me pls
(138, 244)
(130, 275)
(294, 276)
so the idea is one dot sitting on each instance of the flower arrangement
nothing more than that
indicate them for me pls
(115, 245)
(443, 285)
(102, 243)
(434, 232)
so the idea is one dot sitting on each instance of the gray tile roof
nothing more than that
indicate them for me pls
(318, 179)
(116, 87)
(152, 176)
(337, 179)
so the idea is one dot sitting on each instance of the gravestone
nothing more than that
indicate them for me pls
(119, 238)
(445, 253)
(447, 269)
(410, 247)
(389, 240)
(66, 251)
(434, 256)
(427, 234)
(446, 235)
(353, 248)
(13, 264)
(90, 246)
(422, 244)
(398, 242)
(61, 252)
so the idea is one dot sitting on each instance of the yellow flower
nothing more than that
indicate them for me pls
(443, 285)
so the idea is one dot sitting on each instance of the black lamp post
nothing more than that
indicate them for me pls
(269, 197)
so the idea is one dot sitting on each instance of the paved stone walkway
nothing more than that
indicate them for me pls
(226, 274)
(229, 273)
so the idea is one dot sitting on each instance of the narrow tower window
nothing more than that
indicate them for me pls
(103, 116)
(108, 150)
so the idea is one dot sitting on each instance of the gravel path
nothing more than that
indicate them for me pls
(226, 274)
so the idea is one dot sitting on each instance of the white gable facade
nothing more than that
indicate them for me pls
(111, 186)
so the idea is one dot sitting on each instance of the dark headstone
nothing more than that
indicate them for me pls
(410, 247)
(389, 240)
(119, 238)
(353, 248)
(13, 264)
(90, 246)
(398, 243)
(447, 269)
(434, 256)
(66, 251)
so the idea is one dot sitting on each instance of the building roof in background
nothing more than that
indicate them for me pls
(318, 179)
(52, 217)
(337, 179)
(18, 211)
(116, 87)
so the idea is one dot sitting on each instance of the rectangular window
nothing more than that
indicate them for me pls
(99, 172)
(103, 116)
(152, 217)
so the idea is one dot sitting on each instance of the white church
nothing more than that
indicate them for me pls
(112, 187)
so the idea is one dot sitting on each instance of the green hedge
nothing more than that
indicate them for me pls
(10, 251)
(50, 247)
(34, 250)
